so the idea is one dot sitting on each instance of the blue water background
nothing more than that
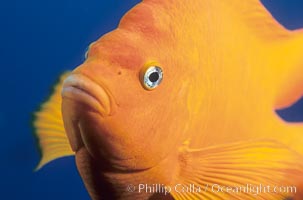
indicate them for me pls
(41, 39)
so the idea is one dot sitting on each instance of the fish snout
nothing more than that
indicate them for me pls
(82, 89)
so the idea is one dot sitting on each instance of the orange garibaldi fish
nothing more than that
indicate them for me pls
(182, 93)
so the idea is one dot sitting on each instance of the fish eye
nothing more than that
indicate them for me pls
(152, 77)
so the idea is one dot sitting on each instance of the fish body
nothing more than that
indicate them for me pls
(182, 93)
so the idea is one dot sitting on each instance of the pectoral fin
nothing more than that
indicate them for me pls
(49, 128)
(240, 165)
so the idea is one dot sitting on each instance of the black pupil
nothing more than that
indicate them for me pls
(153, 77)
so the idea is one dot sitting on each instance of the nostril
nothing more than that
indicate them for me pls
(119, 72)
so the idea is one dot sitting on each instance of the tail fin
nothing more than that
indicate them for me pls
(49, 129)
(290, 60)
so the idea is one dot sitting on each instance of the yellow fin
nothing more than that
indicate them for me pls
(240, 164)
(257, 18)
(252, 13)
(290, 64)
(49, 128)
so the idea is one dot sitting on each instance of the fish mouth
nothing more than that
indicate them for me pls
(82, 89)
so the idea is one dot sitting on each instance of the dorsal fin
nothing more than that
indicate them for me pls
(258, 18)
(252, 12)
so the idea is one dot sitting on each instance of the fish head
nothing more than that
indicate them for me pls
(127, 102)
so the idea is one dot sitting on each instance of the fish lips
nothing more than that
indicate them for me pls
(84, 90)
